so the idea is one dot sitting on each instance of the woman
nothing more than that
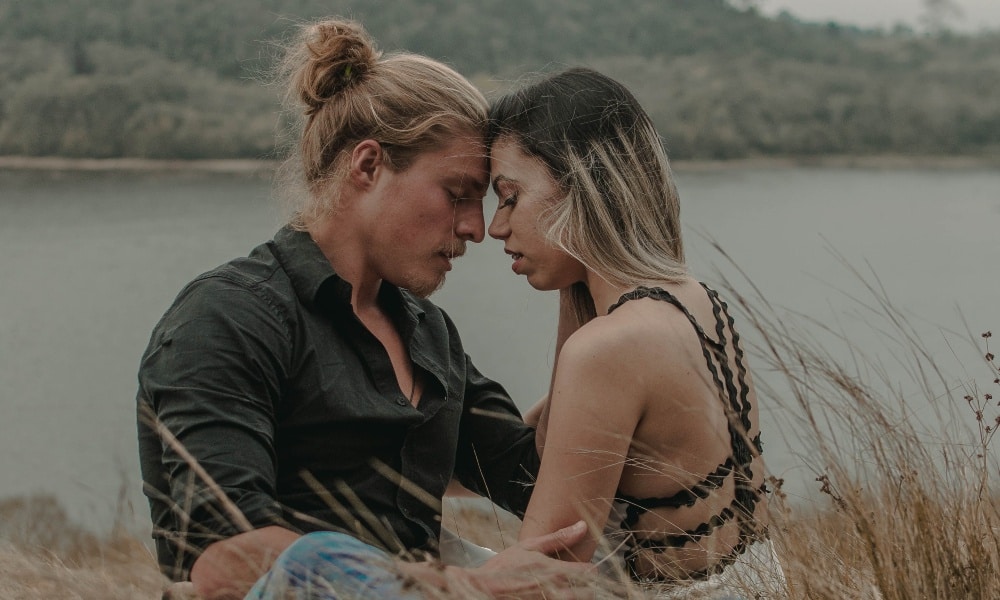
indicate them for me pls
(651, 423)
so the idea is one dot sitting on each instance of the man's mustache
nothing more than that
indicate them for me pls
(454, 250)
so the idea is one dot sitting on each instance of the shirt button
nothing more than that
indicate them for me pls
(402, 401)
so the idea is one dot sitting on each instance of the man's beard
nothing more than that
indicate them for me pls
(423, 288)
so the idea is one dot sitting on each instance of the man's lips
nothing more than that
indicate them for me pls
(450, 255)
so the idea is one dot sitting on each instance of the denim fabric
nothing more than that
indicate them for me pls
(331, 566)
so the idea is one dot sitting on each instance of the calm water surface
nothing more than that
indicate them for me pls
(89, 262)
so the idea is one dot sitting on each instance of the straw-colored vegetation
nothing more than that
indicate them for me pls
(903, 464)
(904, 507)
(43, 555)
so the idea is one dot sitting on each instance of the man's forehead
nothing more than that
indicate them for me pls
(477, 185)
(474, 173)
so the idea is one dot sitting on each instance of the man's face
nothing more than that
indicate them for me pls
(423, 216)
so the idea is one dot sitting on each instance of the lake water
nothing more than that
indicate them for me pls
(88, 263)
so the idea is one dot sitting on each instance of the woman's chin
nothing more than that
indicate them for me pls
(540, 284)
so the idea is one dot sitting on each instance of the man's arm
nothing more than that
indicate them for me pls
(538, 415)
(211, 377)
(497, 449)
(496, 455)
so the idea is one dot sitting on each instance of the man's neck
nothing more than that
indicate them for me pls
(346, 256)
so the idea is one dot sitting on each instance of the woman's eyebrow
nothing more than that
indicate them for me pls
(496, 183)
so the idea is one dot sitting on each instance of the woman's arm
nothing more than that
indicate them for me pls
(595, 405)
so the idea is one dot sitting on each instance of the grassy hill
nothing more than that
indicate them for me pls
(183, 78)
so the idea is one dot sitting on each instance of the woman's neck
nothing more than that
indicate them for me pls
(604, 292)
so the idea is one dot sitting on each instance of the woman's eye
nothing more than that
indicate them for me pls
(508, 201)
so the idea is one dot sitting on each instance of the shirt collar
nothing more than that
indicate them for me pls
(316, 283)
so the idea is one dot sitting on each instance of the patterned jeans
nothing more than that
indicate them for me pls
(331, 566)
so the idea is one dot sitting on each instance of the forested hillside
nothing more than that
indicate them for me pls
(185, 78)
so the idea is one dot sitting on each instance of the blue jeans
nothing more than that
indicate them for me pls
(331, 566)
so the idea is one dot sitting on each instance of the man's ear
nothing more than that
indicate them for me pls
(366, 162)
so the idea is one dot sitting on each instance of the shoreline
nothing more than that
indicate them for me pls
(875, 162)
(257, 166)
(208, 165)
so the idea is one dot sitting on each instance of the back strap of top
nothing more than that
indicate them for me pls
(686, 497)
(734, 394)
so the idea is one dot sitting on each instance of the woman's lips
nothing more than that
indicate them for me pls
(516, 265)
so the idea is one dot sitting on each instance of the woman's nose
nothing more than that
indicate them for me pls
(499, 226)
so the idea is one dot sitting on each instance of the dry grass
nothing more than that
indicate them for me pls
(904, 462)
(43, 555)
(907, 509)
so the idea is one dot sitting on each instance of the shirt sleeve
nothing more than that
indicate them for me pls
(211, 377)
(497, 457)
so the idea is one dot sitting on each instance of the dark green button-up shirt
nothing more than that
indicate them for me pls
(261, 370)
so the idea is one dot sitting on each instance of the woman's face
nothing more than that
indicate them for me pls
(525, 190)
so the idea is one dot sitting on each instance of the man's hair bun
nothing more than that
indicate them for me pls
(338, 55)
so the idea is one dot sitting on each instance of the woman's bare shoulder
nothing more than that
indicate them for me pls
(601, 340)
(593, 369)
(629, 343)
(641, 349)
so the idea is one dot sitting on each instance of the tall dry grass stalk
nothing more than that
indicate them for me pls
(901, 453)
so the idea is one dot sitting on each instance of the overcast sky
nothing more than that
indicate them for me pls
(976, 14)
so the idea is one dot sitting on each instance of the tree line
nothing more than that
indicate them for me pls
(187, 78)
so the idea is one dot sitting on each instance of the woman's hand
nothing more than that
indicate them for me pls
(527, 569)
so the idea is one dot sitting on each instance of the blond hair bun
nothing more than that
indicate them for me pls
(339, 54)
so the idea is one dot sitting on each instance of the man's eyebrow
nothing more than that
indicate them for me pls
(463, 180)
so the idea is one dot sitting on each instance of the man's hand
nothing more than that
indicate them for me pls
(229, 568)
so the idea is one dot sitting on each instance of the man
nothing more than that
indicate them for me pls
(311, 386)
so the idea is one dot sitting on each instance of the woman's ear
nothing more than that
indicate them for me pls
(366, 162)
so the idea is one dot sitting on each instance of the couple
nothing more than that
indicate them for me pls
(302, 410)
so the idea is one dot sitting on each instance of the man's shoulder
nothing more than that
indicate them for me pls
(260, 268)
(260, 272)
(253, 280)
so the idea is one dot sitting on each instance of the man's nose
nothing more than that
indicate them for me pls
(469, 223)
